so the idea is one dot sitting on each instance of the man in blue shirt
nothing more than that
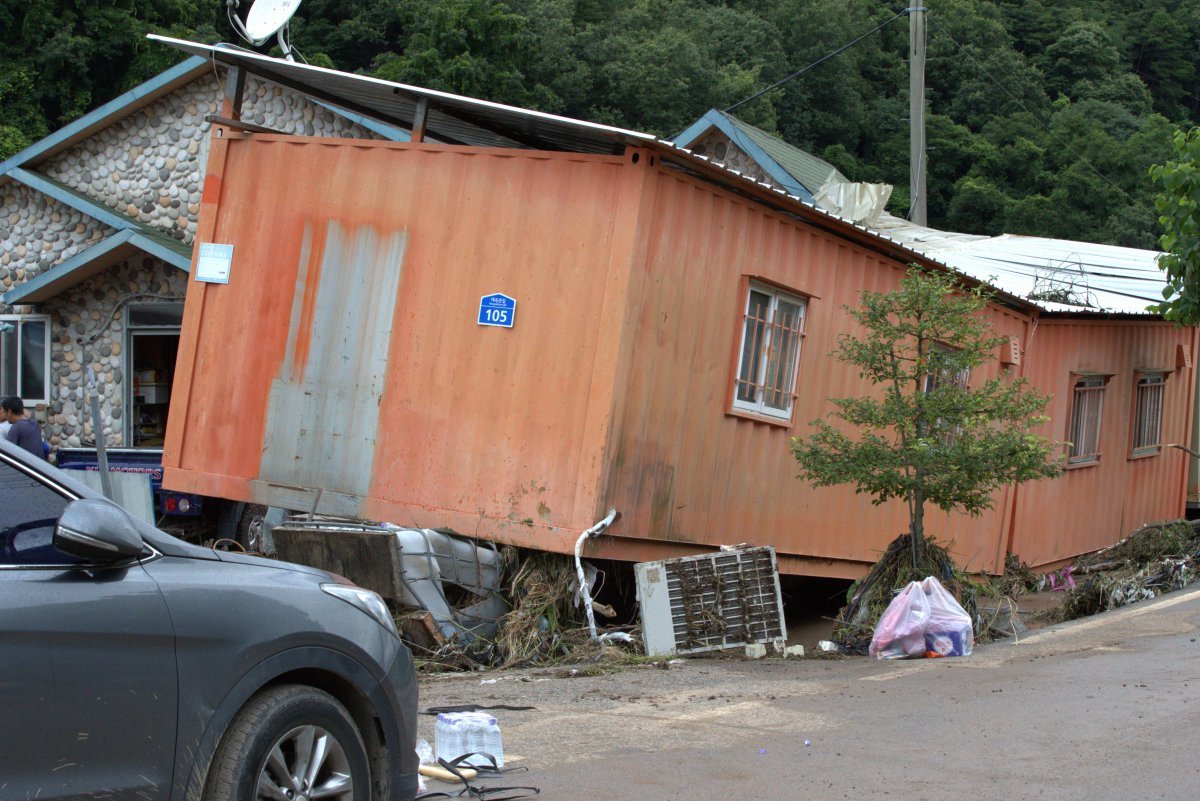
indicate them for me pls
(24, 432)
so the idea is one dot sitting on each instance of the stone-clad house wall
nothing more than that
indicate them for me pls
(88, 327)
(37, 232)
(148, 166)
(718, 147)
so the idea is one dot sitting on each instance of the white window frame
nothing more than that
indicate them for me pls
(18, 321)
(765, 355)
(1149, 393)
(1087, 399)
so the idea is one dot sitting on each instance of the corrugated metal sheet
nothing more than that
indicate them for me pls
(344, 353)
(342, 369)
(1058, 275)
(456, 119)
(452, 118)
(1093, 505)
(686, 470)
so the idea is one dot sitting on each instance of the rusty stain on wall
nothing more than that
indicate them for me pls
(323, 406)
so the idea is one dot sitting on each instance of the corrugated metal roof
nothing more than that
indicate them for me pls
(452, 119)
(1058, 275)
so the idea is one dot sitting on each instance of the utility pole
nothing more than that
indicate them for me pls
(916, 113)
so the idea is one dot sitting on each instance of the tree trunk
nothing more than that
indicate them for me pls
(917, 529)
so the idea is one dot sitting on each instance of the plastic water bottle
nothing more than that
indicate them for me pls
(458, 733)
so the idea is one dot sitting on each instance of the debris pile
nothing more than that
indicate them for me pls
(544, 625)
(1157, 558)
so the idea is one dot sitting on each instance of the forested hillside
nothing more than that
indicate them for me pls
(1043, 116)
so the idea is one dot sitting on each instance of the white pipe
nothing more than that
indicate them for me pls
(584, 592)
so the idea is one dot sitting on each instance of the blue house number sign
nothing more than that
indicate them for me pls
(497, 309)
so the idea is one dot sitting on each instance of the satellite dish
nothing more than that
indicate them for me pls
(265, 19)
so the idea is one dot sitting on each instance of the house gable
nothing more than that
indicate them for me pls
(739, 146)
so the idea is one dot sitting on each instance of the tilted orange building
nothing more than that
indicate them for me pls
(669, 327)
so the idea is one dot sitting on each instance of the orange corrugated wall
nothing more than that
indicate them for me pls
(1095, 505)
(497, 433)
(613, 387)
(685, 470)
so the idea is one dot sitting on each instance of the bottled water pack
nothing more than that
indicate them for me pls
(458, 733)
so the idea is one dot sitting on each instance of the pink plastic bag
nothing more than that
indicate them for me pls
(900, 633)
(923, 618)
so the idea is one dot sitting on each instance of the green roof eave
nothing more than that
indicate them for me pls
(798, 172)
(91, 262)
(153, 239)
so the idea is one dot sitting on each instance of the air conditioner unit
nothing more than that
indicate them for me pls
(709, 602)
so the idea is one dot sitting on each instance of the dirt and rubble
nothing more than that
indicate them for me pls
(545, 627)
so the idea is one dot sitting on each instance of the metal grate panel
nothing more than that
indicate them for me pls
(709, 602)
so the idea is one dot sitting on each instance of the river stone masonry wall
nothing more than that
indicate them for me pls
(88, 325)
(37, 232)
(148, 166)
(717, 147)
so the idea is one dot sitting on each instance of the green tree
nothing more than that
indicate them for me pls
(927, 435)
(1178, 206)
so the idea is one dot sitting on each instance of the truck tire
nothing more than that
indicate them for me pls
(250, 527)
(272, 744)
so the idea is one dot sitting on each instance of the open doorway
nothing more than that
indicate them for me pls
(152, 345)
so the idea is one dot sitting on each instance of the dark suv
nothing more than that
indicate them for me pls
(136, 666)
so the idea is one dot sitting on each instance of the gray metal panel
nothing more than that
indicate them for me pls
(324, 405)
(452, 118)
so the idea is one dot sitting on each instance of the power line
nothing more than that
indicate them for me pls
(818, 62)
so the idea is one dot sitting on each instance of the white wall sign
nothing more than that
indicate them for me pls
(213, 263)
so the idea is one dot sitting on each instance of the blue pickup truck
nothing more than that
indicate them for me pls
(174, 510)
(136, 460)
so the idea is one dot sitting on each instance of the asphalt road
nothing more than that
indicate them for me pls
(1105, 708)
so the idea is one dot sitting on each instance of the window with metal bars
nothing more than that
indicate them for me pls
(1147, 416)
(942, 375)
(769, 355)
(1087, 410)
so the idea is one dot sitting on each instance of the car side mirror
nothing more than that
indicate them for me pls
(97, 531)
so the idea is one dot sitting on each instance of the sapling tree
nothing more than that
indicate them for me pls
(929, 433)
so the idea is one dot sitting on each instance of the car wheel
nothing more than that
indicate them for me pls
(291, 743)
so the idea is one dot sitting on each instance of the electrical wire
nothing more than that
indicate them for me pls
(99, 330)
(819, 61)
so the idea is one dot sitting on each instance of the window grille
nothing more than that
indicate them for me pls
(1147, 419)
(770, 352)
(1086, 413)
(942, 375)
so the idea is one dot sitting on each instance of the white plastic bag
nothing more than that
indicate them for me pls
(949, 631)
(900, 632)
(924, 618)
